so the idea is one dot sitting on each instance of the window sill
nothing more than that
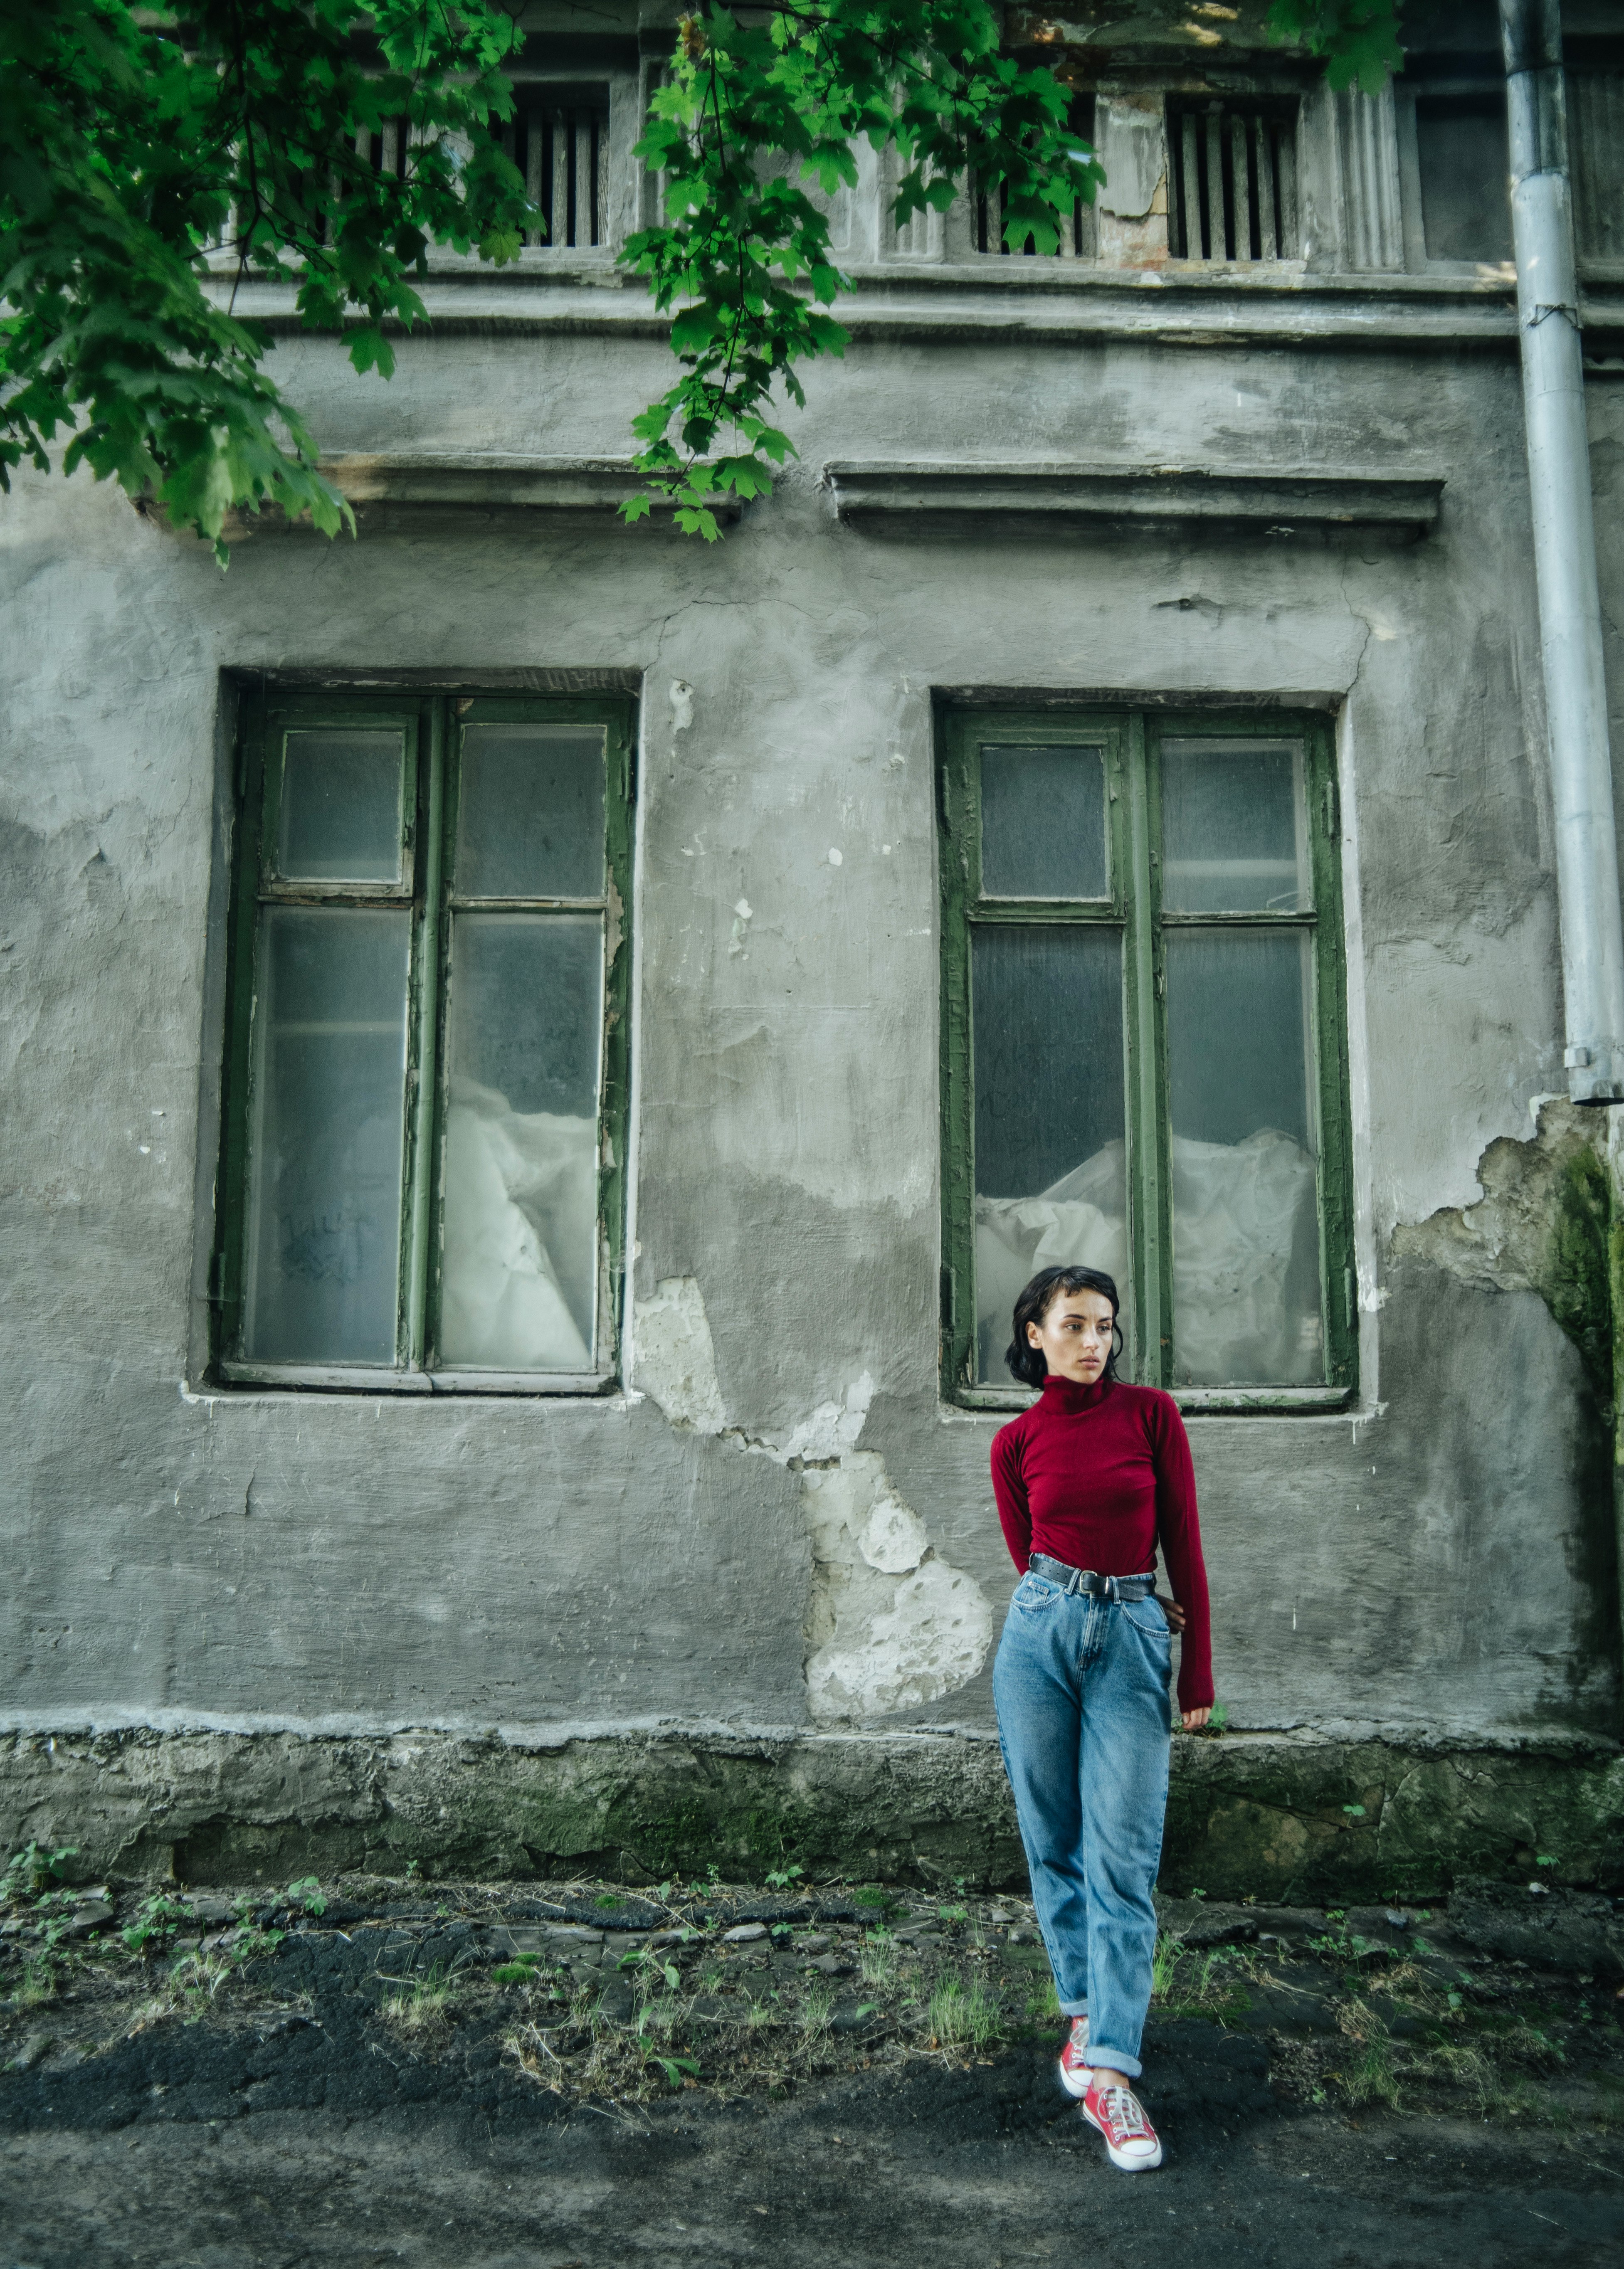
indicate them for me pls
(1194, 1401)
(359, 1379)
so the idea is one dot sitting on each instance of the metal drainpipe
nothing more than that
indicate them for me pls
(1559, 480)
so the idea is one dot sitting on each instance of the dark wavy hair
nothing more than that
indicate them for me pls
(1027, 1362)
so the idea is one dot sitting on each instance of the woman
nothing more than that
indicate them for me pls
(1090, 1481)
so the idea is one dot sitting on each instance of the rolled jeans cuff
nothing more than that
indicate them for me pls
(1115, 2059)
(1075, 2008)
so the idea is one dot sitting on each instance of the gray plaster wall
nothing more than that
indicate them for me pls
(1436, 1561)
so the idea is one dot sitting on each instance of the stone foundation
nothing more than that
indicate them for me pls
(1280, 1818)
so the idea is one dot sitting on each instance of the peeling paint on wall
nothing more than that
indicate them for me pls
(891, 1624)
(675, 1360)
(1527, 1232)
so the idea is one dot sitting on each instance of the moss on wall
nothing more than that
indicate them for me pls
(1300, 1819)
(1579, 1280)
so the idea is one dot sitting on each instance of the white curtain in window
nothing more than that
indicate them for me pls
(1079, 1221)
(1237, 1208)
(521, 1213)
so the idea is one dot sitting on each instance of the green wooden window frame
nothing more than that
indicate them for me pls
(435, 730)
(1131, 739)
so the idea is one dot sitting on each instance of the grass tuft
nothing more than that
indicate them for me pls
(960, 2013)
(876, 1958)
(817, 2006)
(421, 2005)
(1368, 2075)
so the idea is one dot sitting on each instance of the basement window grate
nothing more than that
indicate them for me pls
(1078, 233)
(1234, 169)
(385, 150)
(559, 142)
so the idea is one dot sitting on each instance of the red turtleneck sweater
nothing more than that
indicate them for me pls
(1100, 1476)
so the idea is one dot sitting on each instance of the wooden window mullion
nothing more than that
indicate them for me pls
(1339, 1287)
(1148, 1239)
(423, 1075)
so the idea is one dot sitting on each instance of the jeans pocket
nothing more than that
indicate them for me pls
(1032, 1595)
(1147, 1615)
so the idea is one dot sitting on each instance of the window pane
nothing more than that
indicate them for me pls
(1051, 1185)
(1461, 142)
(340, 820)
(1246, 1302)
(530, 818)
(1234, 831)
(519, 1282)
(324, 1201)
(1043, 823)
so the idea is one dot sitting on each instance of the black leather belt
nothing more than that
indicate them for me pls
(1084, 1579)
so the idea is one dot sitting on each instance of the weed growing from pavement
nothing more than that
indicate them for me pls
(1043, 2003)
(33, 1870)
(817, 2006)
(1369, 2076)
(421, 2005)
(876, 1958)
(38, 1983)
(195, 1981)
(959, 2013)
(1198, 1982)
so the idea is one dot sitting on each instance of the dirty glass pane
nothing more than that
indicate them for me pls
(1233, 827)
(1043, 823)
(1461, 143)
(1246, 1299)
(323, 1251)
(1051, 1184)
(340, 820)
(530, 819)
(519, 1263)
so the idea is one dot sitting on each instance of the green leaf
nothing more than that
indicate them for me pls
(694, 329)
(1358, 40)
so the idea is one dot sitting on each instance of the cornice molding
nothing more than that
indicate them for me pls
(490, 481)
(878, 493)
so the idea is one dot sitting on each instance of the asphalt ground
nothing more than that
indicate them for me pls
(484, 2075)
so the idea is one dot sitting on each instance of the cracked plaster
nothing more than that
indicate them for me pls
(1501, 1241)
(890, 1623)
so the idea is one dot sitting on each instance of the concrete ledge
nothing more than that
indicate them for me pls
(591, 484)
(1278, 1817)
(873, 493)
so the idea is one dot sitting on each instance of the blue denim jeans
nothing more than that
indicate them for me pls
(1083, 1689)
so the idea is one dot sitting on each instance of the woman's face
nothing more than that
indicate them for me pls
(1075, 1335)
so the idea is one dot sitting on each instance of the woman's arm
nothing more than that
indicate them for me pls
(1179, 1532)
(1014, 1512)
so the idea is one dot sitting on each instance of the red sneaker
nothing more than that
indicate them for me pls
(1077, 2072)
(1131, 2142)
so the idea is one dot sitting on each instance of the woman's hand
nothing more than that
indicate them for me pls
(1193, 1720)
